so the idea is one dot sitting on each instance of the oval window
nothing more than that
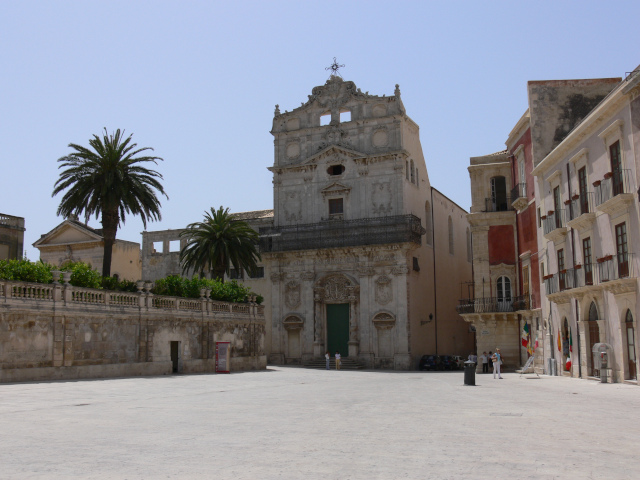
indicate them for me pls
(335, 170)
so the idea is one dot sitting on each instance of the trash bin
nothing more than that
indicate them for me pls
(469, 373)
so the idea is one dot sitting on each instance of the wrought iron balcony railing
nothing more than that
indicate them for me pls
(524, 302)
(615, 267)
(342, 233)
(581, 205)
(550, 284)
(484, 305)
(613, 184)
(554, 220)
(498, 204)
(519, 191)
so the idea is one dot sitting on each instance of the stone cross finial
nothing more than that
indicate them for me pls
(397, 90)
(277, 110)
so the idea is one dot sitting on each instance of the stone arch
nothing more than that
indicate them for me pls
(629, 353)
(293, 324)
(384, 322)
(592, 332)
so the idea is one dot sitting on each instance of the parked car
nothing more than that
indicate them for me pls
(459, 361)
(430, 362)
(448, 362)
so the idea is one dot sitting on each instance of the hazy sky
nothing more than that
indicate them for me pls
(198, 81)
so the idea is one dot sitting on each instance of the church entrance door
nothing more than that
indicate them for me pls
(338, 328)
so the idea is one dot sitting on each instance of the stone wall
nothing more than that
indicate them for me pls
(11, 237)
(50, 332)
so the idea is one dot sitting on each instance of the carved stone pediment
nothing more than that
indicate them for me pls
(335, 288)
(293, 322)
(335, 189)
(384, 320)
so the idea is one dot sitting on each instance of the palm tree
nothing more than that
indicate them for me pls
(217, 243)
(109, 181)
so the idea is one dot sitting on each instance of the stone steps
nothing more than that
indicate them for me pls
(346, 364)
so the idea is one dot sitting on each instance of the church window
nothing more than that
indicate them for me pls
(174, 246)
(450, 236)
(345, 116)
(325, 119)
(413, 173)
(158, 247)
(335, 170)
(336, 206)
(428, 225)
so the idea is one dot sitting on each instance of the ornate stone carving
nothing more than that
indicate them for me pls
(335, 136)
(307, 276)
(366, 271)
(293, 150)
(380, 137)
(336, 288)
(384, 291)
(292, 294)
(277, 276)
(400, 270)
(384, 321)
(293, 322)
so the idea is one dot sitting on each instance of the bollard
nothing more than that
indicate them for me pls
(469, 373)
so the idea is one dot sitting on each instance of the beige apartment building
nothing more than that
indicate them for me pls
(360, 254)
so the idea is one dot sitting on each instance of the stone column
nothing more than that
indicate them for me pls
(317, 333)
(353, 327)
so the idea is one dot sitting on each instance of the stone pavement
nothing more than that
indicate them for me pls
(291, 423)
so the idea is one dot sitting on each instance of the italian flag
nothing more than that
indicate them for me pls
(570, 341)
(525, 335)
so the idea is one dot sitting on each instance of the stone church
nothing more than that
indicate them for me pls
(360, 255)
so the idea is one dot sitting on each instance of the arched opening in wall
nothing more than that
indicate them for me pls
(594, 337)
(566, 345)
(345, 116)
(293, 325)
(503, 294)
(428, 223)
(469, 251)
(334, 170)
(498, 198)
(325, 119)
(631, 345)
(450, 225)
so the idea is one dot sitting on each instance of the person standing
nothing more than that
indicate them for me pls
(338, 360)
(327, 359)
(497, 361)
(485, 362)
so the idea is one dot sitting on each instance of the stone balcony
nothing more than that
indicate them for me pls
(554, 225)
(519, 199)
(614, 193)
(581, 211)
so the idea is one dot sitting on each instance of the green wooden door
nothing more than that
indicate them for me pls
(338, 328)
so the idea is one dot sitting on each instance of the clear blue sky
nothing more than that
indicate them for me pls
(198, 81)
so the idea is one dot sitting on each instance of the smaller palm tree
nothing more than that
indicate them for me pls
(217, 243)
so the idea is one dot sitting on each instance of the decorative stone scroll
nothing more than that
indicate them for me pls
(307, 276)
(400, 270)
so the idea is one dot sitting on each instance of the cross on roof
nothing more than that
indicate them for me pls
(334, 67)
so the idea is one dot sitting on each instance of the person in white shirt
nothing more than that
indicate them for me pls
(497, 361)
(327, 358)
(337, 360)
(485, 362)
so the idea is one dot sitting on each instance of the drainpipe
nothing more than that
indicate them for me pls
(435, 284)
(573, 257)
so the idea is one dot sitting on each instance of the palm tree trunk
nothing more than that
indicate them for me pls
(110, 222)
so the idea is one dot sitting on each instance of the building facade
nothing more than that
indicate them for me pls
(11, 237)
(74, 241)
(360, 254)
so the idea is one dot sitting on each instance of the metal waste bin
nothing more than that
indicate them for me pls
(469, 373)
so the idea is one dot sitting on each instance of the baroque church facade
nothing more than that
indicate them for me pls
(360, 255)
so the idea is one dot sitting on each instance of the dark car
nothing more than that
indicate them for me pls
(430, 362)
(447, 362)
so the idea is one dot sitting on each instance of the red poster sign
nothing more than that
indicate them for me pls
(223, 351)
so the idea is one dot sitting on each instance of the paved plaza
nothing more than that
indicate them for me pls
(292, 423)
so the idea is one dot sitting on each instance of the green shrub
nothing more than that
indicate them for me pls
(177, 286)
(24, 270)
(82, 275)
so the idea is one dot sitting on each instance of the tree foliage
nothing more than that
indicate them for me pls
(217, 243)
(177, 286)
(110, 180)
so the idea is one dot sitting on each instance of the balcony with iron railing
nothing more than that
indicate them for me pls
(554, 225)
(519, 196)
(497, 204)
(485, 305)
(342, 233)
(616, 267)
(614, 192)
(524, 302)
(581, 211)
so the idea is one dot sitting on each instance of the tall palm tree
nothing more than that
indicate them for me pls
(217, 243)
(109, 180)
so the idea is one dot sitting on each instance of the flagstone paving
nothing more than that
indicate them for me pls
(292, 423)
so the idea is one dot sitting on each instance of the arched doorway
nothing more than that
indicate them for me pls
(503, 290)
(631, 344)
(594, 336)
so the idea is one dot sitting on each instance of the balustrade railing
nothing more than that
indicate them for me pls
(613, 184)
(524, 302)
(90, 297)
(550, 284)
(554, 220)
(581, 205)
(498, 204)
